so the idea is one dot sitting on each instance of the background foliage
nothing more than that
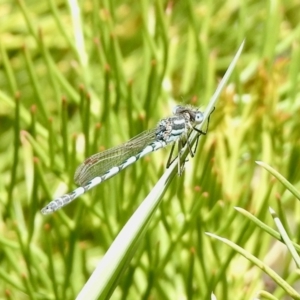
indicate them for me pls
(78, 77)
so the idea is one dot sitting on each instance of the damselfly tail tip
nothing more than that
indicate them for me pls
(46, 210)
(50, 208)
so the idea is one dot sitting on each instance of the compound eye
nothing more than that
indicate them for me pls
(198, 117)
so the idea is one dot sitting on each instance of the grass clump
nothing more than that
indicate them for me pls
(80, 77)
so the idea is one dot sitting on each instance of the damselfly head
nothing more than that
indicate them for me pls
(191, 113)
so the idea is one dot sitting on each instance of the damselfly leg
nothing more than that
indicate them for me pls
(182, 143)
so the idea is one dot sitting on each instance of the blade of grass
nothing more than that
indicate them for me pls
(284, 181)
(281, 282)
(263, 226)
(285, 237)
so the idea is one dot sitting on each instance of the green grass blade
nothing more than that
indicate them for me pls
(285, 237)
(283, 180)
(282, 283)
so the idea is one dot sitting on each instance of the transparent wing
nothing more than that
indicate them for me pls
(99, 163)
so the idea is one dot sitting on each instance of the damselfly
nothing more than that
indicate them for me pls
(104, 165)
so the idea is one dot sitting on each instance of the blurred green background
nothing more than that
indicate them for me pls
(80, 77)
